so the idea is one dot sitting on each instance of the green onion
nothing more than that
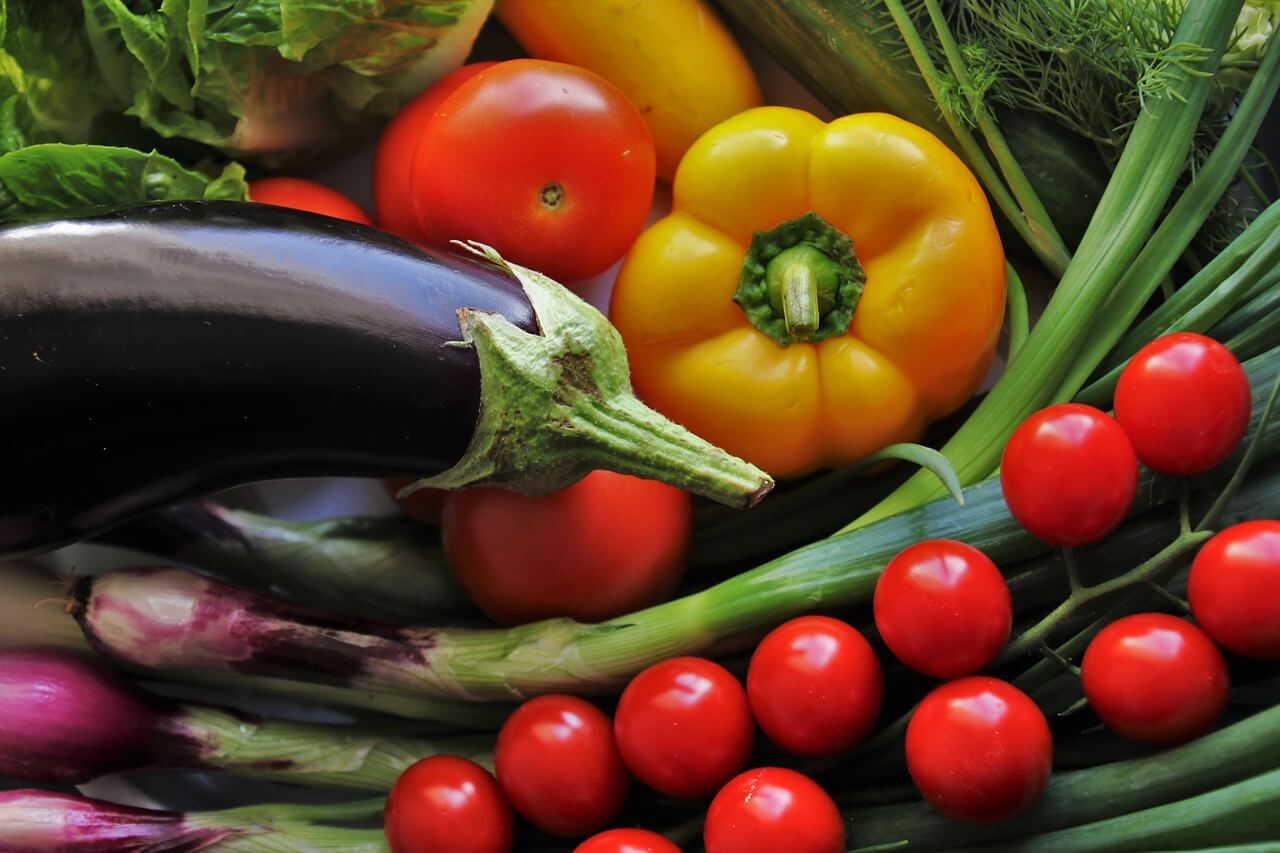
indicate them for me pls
(1143, 180)
(1084, 797)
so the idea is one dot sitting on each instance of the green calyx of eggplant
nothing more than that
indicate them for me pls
(558, 404)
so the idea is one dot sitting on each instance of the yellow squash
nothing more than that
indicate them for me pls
(819, 290)
(673, 59)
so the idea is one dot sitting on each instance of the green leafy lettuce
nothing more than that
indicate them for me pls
(46, 180)
(250, 78)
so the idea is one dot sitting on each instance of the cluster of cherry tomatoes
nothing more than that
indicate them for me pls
(977, 748)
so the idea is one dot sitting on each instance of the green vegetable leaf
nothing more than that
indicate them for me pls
(45, 180)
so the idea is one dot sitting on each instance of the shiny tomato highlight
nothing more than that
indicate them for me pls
(684, 726)
(1069, 474)
(772, 809)
(1184, 401)
(815, 686)
(1234, 588)
(979, 750)
(943, 608)
(627, 841)
(1155, 678)
(559, 766)
(445, 804)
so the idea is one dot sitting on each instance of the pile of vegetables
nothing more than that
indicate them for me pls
(797, 588)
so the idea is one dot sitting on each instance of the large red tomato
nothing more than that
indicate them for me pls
(548, 163)
(393, 164)
(607, 545)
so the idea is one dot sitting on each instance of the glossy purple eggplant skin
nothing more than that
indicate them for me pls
(167, 351)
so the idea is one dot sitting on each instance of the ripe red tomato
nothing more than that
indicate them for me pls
(607, 545)
(684, 726)
(942, 608)
(1234, 588)
(815, 686)
(393, 164)
(425, 505)
(445, 804)
(1069, 474)
(1155, 678)
(548, 163)
(627, 841)
(772, 809)
(559, 766)
(1184, 400)
(979, 750)
(307, 195)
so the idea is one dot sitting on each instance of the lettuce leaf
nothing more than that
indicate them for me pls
(261, 79)
(43, 181)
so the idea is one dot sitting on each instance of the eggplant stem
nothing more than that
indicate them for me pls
(556, 405)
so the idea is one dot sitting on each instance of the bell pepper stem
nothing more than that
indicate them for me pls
(799, 296)
(800, 281)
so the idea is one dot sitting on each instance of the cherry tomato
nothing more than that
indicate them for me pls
(627, 841)
(979, 750)
(771, 809)
(559, 766)
(307, 195)
(393, 164)
(684, 726)
(1155, 678)
(1184, 400)
(445, 804)
(1069, 474)
(607, 545)
(1234, 589)
(548, 163)
(815, 686)
(942, 608)
(425, 505)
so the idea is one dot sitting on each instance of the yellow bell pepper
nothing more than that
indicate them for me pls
(819, 290)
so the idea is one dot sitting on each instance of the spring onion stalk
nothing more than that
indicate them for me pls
(1212, 308)
(1243, 812)
(1176, 232)
(1084, 797)
(1040, 234)
(1200, 286)
(171, 618)
(32, 613)
(34, 821)
(66, 719)
(1152, 161)
(382, 567)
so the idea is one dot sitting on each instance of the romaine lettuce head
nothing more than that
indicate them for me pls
(250, 78)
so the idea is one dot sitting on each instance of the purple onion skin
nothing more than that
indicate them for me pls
(42, 822)
(169, 617)
(64, 720)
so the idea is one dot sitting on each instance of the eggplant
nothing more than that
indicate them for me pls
(168, 351)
